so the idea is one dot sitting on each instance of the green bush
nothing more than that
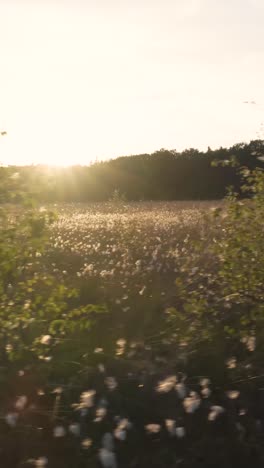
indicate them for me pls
(39, 315)
(220, 287)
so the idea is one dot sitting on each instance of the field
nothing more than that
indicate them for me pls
(130, 337)
(128, 255)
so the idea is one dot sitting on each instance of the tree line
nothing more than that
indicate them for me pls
(162, 175)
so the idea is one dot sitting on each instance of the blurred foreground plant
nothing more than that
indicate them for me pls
(39, 315)
(220, 301)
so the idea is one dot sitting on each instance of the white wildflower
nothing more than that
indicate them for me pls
(21, 402)
(233, 394)
(107, 458)
(9, 348)
(231, 363)
(250, 342)
(120, 434)
(100, 414)
(121, 429)
(111, 383)
(192, 403)
(206, 392)
(87, 399)
(27, 304)
(181, 390)
(152, 428)
(11, 419)
(58, 390)
(87, 443)
(75, 429)
(204, 382)
(180, 432)
(170, 426)
(166, 385)
(41, 462)
(215, 411)
(59, 431)
(101, 368)
(45, 358)
(121, 342)
(45, 339)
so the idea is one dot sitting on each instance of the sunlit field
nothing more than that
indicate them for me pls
(128, 255)
(130, 336)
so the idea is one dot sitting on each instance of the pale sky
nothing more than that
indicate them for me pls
(87, 79)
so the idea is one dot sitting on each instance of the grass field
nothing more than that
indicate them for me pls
(128, 255)
(156, 360)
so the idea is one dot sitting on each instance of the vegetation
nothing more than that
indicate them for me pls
(163, 175)
(131, 333)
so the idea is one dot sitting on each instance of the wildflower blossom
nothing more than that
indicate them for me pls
(167, 384)
(75, 429)
(11, 419)
(170, 426)
(205, 382)
(231, 363)
(59, 431)
(100, 414)
(250, 342)
(181, 390)
(86, 443)
(21, 402)
(45, 339)
(152, 428)
(107, 458)
(215, 411)
(192, 403)
(206, 392)
(41, 462)
(180, 432)
(233, 394)
(87, 399)
(111, 383)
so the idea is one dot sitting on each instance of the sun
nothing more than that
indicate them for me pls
(21, 148)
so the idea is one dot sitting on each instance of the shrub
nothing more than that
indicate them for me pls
(220, 300)
(39, 315)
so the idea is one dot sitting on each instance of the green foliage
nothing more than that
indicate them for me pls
(220, 293)
(38, 313)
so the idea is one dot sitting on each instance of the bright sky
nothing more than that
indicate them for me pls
(87, 79)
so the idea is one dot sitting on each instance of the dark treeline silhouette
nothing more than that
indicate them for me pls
(163, 175)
